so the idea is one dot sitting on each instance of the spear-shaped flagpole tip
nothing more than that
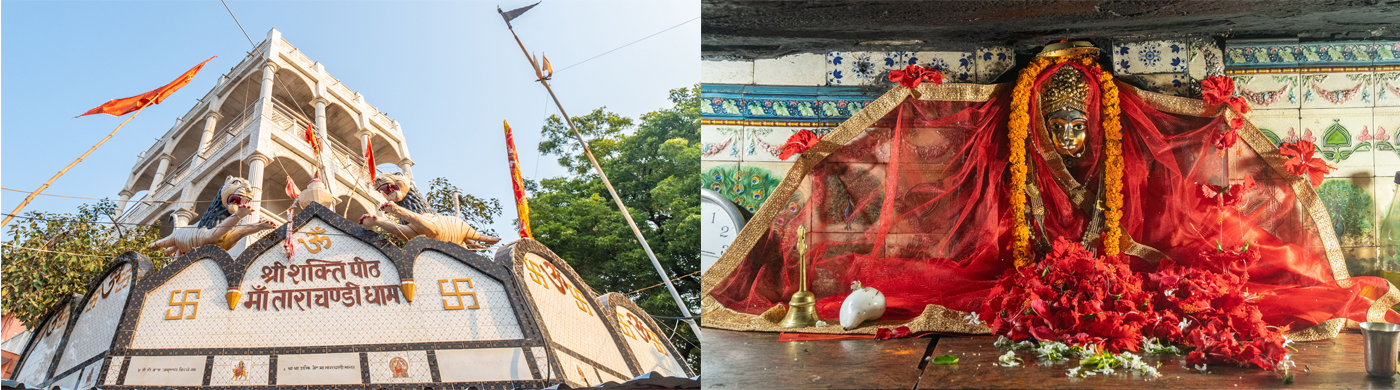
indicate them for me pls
(515, 13)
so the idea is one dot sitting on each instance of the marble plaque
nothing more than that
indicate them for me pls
(165, 371)
(319, 369)
(483, 365)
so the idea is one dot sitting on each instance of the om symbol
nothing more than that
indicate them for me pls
(317, 240)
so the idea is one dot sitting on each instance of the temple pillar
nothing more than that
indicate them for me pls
(327, 161)
(269, 71)
(256, 163)
(406, 166)
(160, 173)
(183, 217)
(210, 121)
(121, 204)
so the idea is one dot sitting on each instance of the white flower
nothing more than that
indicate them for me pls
(1074, 372)
(1169, 292)
(973, 318)
(1185, 322)
(1009, 359)
(1201, 367)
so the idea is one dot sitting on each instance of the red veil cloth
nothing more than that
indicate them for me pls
(911, 197)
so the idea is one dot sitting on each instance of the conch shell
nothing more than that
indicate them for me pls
(864, 304)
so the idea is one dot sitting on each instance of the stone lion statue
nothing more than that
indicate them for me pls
(409, 205)
(220, 223)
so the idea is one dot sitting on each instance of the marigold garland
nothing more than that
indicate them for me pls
(1019, 130)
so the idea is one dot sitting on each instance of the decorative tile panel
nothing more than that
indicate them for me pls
(40, 357)
(239, 370)
(1269, 91)
(957, 67)
(1206, 60)
(285, 304)
(748, 185)
(88, 378)
(796, 69)
(854, 68)
(1387, 87)
(1150, 57)
(1336, 90)
(721, 143)
(1344, 138)
(98, 319)
(412, 367)
(992, 61)
(568, 313)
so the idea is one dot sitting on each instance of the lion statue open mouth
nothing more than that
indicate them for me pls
(219, 224)
(406, 203)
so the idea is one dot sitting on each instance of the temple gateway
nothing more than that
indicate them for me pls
(342, 310)
(254, 299)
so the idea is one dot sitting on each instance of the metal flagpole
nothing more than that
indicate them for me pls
(586, 151)
(70, 166)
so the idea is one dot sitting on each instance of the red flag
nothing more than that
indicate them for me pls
(311, 139)
(369, 162)
(119, 107)
(522, 208)
(292, 188)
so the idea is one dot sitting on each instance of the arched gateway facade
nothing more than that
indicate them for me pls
(344, 309)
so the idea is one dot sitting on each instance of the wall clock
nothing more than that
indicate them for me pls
(720, 222)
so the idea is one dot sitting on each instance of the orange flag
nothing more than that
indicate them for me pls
(522, 208)
(311, 139)
(119, 107)
(369, 162)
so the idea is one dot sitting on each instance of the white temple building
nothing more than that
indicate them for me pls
(252, 125)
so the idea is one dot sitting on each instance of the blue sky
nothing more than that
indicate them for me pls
(448, 71)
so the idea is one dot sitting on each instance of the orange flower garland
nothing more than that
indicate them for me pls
(1019, 130)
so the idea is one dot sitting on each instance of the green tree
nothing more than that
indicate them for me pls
(653, 170)
(65, 252)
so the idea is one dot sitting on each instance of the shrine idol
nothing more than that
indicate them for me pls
(1065, 206)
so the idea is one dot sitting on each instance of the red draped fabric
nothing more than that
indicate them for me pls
(917, 206)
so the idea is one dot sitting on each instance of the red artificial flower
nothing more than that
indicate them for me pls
(1231, 196)
(912, 75)
(892, 333)
(798, 143)
(1217, 90)
(1228, 138)
(1302, 162)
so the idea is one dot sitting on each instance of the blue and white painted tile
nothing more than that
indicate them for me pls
(1175, 84)
(957, 67)
(854, 68)
(992, 61)
(1150, 57)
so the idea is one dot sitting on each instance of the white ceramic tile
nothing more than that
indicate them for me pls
(483, 365)
(401, 367)
(1269, 91)
(88, 376)
(855, 68)
(1387, 86)
(1206, 60)
(646, 343)
(957, 67)
(722, 143)
(114, 370)
(36, 363)
(239, 370)
(567, 313)
(805, 69)
(165, 371)
(98, 320)
(1150, 57)
(727, 72)
(1339, 139)
(1337, 90)
(992, 61)
(318, 369)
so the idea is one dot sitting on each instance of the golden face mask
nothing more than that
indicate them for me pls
(1063, 101)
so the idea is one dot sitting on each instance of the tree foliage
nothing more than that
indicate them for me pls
(38, 278)
(480, 212)
(653, 170)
